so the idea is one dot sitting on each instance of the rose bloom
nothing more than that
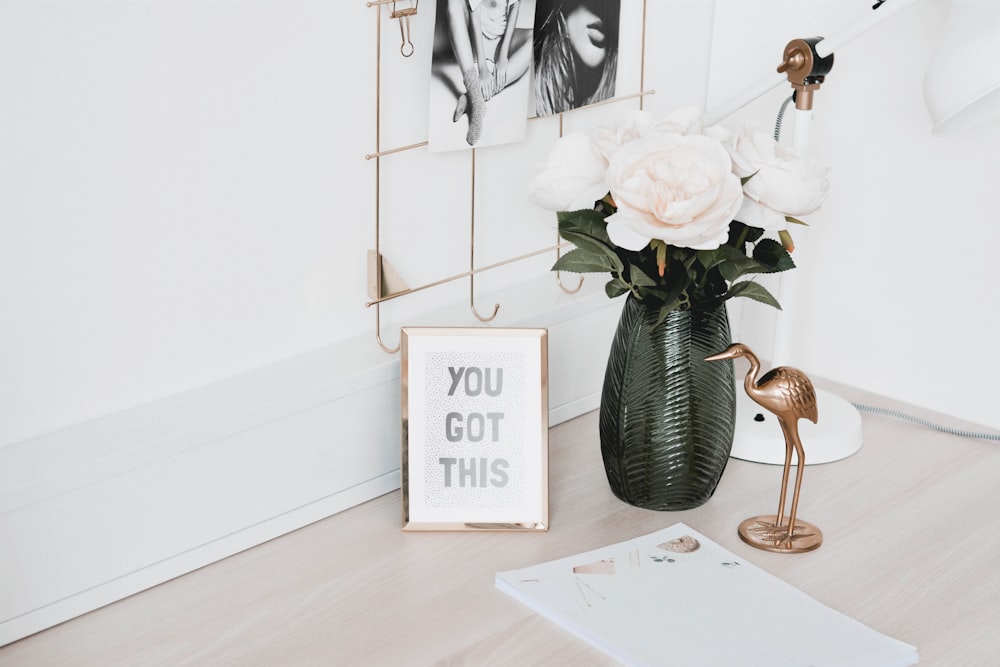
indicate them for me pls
(676, 188)
(572, 177)
(635, 124)
(686, 120)
(783, 184)
(631, 126)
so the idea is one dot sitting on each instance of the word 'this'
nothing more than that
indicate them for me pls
(474, 427)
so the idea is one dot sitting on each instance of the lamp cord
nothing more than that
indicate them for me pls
(781, 115)
(886, 412)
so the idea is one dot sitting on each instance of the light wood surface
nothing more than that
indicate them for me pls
(912, 548)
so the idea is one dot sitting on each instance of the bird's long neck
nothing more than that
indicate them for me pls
(750, 381)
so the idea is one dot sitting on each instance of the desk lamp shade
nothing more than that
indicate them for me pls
(962, 81)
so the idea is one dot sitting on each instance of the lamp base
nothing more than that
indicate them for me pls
(759, 438)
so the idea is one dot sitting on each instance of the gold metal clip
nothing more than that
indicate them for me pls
(403, 16)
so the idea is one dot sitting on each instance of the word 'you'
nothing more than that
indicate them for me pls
(474, 427)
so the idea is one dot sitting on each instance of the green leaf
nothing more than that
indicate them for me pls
(657, 294)
(741, 233)
(595, 248)
(616, 287)
(639, 278)
(721, 256)
(578, 260)
(585, 221)
(773, 255)
(746, 179)
(686, 256)
(754, 291)
(587, 242)
(795, 221)
(737, 267)
(710, 258)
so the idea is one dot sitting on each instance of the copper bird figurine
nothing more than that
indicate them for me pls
(788, 394)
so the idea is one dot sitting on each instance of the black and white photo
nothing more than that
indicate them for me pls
(575, 53)
(480, 73)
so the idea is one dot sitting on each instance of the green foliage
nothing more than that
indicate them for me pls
(673, 277)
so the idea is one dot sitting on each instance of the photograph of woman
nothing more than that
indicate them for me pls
(482, 51)
(576, 53)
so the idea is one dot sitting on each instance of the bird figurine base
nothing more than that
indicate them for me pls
(763, 532)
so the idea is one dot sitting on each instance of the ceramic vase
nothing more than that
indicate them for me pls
(667, 416)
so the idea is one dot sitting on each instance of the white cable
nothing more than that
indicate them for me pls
(886, 412)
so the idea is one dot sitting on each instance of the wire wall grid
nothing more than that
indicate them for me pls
(383, 282)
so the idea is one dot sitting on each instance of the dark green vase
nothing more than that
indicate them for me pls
(667, 415)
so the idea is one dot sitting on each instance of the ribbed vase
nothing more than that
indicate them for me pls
(667, 415)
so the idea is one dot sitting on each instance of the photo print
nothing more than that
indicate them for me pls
(480, 73)
(575, 53)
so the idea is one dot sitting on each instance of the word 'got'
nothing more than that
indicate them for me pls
(472, 427)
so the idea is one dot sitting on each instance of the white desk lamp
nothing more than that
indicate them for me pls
(838, 434)
(961, 89)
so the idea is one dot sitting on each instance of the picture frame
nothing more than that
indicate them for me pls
(474, 429)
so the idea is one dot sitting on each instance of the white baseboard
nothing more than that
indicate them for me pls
(105, 509)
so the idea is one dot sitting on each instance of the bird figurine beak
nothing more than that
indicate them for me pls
(728, 353)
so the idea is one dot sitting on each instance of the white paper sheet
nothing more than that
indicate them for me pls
(674, 597)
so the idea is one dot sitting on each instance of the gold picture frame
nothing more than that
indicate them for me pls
(475, 429)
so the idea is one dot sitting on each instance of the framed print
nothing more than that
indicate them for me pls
(474, 428)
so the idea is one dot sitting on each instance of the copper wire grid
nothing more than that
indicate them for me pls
(379, 153)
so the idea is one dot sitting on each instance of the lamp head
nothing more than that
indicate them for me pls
(805, 69)
(962, 82)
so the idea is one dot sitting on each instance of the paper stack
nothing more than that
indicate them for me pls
(674, 597)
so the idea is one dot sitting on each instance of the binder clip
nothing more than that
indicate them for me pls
(403, 16)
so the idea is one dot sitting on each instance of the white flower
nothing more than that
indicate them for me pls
(635, 124)
(572, 177)
(783, 184)
(631, 125)
(686, 120)
(679, 189)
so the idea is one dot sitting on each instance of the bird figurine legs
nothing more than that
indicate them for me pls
(792, 441)
(770, 532)
(784, 478)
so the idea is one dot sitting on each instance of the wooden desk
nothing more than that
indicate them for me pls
(912, 549)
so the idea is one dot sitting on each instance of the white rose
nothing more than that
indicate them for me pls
(686, 120)
(783, 183)
(633, 124)
(630, 125)
(689, 120)
(679, 189)
(572, 177)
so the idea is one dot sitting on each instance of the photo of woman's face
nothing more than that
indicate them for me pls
(587, 36)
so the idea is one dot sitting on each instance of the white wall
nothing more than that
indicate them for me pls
(184, 214)
(176, 199)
